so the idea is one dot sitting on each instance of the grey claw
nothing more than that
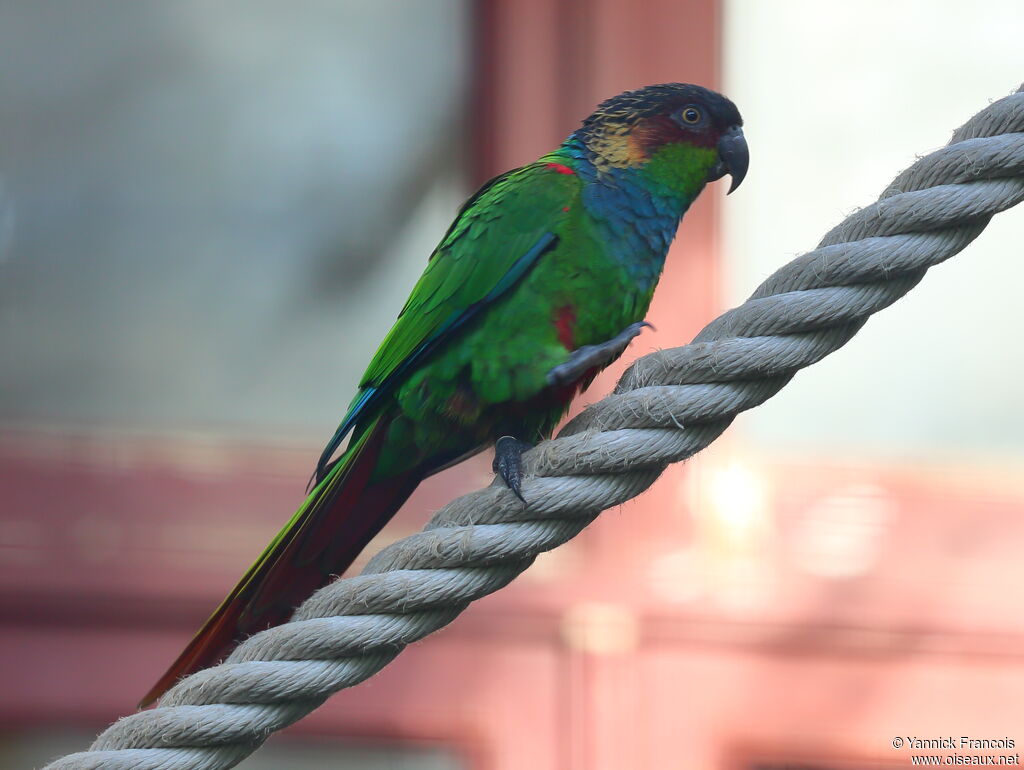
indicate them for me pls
(508, 463)
(587, 357)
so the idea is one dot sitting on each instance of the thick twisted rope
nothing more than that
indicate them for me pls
(668, 406)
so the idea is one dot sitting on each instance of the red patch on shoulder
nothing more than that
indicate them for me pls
(565, 324)
(560, 168)
(565, 209)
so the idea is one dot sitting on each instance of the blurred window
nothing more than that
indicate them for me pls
(210, 213)
(939, 372)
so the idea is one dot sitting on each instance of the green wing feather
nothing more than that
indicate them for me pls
(496, 238)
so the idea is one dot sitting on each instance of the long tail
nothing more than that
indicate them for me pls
(340, 516)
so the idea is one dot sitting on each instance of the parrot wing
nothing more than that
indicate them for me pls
(497, 236)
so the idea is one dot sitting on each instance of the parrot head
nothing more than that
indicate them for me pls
(684, 133)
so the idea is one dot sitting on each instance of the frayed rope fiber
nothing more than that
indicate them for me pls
(667, 406)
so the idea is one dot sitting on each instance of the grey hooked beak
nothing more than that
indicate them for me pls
(733, 158)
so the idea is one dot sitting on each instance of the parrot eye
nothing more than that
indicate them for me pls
(691, 115)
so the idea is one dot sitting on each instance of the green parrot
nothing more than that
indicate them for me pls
(541, 281)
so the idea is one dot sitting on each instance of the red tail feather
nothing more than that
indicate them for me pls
(341, 516)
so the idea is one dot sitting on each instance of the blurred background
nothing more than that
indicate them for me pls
(210, 213)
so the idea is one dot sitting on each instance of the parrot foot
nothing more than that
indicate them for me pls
(508, 463)
(583, 359)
